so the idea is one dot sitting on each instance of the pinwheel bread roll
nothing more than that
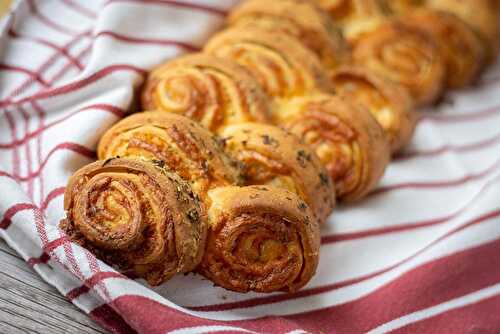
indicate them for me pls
(301, 19)
(389, 103)
(181, 144)
(261, 239)
(272, 156)
(355, 17)
(136, 215)
(407, 56)
(481, 15)
(346, 137)
(211, 91)
(279, 62)
(463, 52)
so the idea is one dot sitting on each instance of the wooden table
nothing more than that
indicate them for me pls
(29, 305)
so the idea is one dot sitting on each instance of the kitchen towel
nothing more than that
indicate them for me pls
(421, 254)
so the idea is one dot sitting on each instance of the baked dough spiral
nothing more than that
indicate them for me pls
(272, 156)
(190, 151)
(211, 91)
(389, 103)
(407, 56)
(261, 239)
(181, 144)
(301, 19)
(347, 139)
(355, 17)
(463, 52)
(280, 63)
(136, 215)
(481, 15)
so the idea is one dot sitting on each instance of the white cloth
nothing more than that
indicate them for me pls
(421, 253)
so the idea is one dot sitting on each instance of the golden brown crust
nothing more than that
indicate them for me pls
(136, 215)
(211, 91)
(478, 14)
(280, 63)
(355, 17)
(462, 49)
(496, 5)
(301, 19)
(261, 239)
(389, 103)
(183, 145)
(342, 10)
(405, 55)
(347, 139)
(399, 7)
(272, 156)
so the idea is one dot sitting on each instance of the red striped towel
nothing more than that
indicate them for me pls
(420, 255)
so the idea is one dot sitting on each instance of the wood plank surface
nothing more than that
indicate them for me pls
(29, 305)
